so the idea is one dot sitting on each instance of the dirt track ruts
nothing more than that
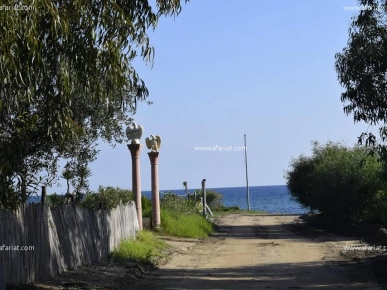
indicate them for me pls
(263, 252)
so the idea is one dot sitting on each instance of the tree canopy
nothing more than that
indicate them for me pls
(362, 71)
(66, 80)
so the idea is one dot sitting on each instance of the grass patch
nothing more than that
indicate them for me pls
(184, 225)
(145, 249)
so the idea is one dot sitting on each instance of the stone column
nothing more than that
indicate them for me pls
(156, 220)
(136, 179)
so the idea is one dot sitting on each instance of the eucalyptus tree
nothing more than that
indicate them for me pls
(362, 71)
(66, 81)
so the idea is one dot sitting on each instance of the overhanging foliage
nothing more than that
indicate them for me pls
(66, 80)
(362, 71)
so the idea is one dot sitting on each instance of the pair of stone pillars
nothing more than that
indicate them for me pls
(134, 133)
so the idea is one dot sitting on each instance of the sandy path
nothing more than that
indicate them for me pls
(262, 252)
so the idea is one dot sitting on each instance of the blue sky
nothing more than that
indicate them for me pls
(223, 69)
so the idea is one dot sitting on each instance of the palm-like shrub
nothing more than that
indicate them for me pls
(106, 197)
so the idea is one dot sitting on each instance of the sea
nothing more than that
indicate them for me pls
(270, 199)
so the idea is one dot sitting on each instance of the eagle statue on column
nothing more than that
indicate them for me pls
(134, 133)
(153, 143)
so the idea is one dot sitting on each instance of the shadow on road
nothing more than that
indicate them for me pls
(326, 273)
(270, 276)
(299, 230)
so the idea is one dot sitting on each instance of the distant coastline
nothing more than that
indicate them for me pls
(267, 198)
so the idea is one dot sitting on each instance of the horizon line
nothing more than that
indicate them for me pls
(221, 187)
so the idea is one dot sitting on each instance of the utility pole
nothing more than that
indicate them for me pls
(247, 178)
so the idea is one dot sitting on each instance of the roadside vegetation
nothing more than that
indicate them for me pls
(146, 204)
(181, 216)
(145, 249)
(104, 198)
(344, 184)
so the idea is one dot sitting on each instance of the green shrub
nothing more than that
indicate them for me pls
(178, 205)
(146, 205)
(299, 181)
(338, 181)
(377, 212)
(213, 198)
(106, 198)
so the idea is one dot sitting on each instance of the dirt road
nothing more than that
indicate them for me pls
(264, 252)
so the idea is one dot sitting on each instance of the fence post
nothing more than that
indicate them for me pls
(204, 198)
(43, 198)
